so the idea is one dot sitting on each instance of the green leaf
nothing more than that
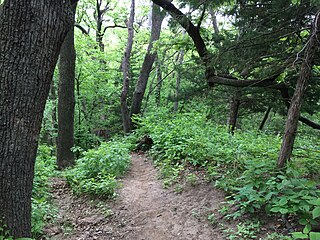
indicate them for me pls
(307, 229)
(303, 221)
(314, 236)
(300, 235)
(318, 202)
(316, 213)
(284, 211)
(283, 202)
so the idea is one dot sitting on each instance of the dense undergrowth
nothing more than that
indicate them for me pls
(243, 164)
(95, 173)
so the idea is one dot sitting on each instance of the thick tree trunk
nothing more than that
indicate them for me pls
(297, 99)
(125, 66)
(157, 18)
(266, 115)
(31, 36)
(66, 101)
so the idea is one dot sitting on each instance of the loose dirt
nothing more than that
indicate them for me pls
(143, 210)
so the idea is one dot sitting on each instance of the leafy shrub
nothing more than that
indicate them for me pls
(263, 187)
(96, 172)
(177, 138)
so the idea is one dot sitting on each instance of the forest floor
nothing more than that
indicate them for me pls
(143, 210)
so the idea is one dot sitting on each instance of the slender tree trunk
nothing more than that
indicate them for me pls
(178, 80)
(53, 96)
(297, 99)
(125, 66)
(66, 101)
(149, 93)
(31, 36)
(234, 111)
(214, 21)
(157, 18)
(159, 82)
(78, 100)
(266, 115)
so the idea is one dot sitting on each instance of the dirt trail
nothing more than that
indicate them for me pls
(144, 210)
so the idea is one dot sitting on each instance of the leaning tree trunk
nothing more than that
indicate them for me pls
(32, 32)
(157, 18)
(297, 99)
(264, 120)
(125, 66)
(66, 101)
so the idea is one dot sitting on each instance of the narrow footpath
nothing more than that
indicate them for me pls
(144, 210)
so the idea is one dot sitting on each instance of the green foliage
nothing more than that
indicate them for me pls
(176, 138)
(263, 186)
(276, 236)
(243, 164)
(96, 172)
(244, 231)
(42, 210)
(307, 232)
(4, 232)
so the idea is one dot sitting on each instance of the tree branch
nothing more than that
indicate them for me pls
(310, 123)
(83, 30)
(286, 99)
(192, 30)
(234, 82)
(201, 17)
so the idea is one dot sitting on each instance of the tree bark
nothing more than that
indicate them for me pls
(66, 101)
(157, 18)
(31, 36)
(125, 66)
(297, 99)
(266, 115)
